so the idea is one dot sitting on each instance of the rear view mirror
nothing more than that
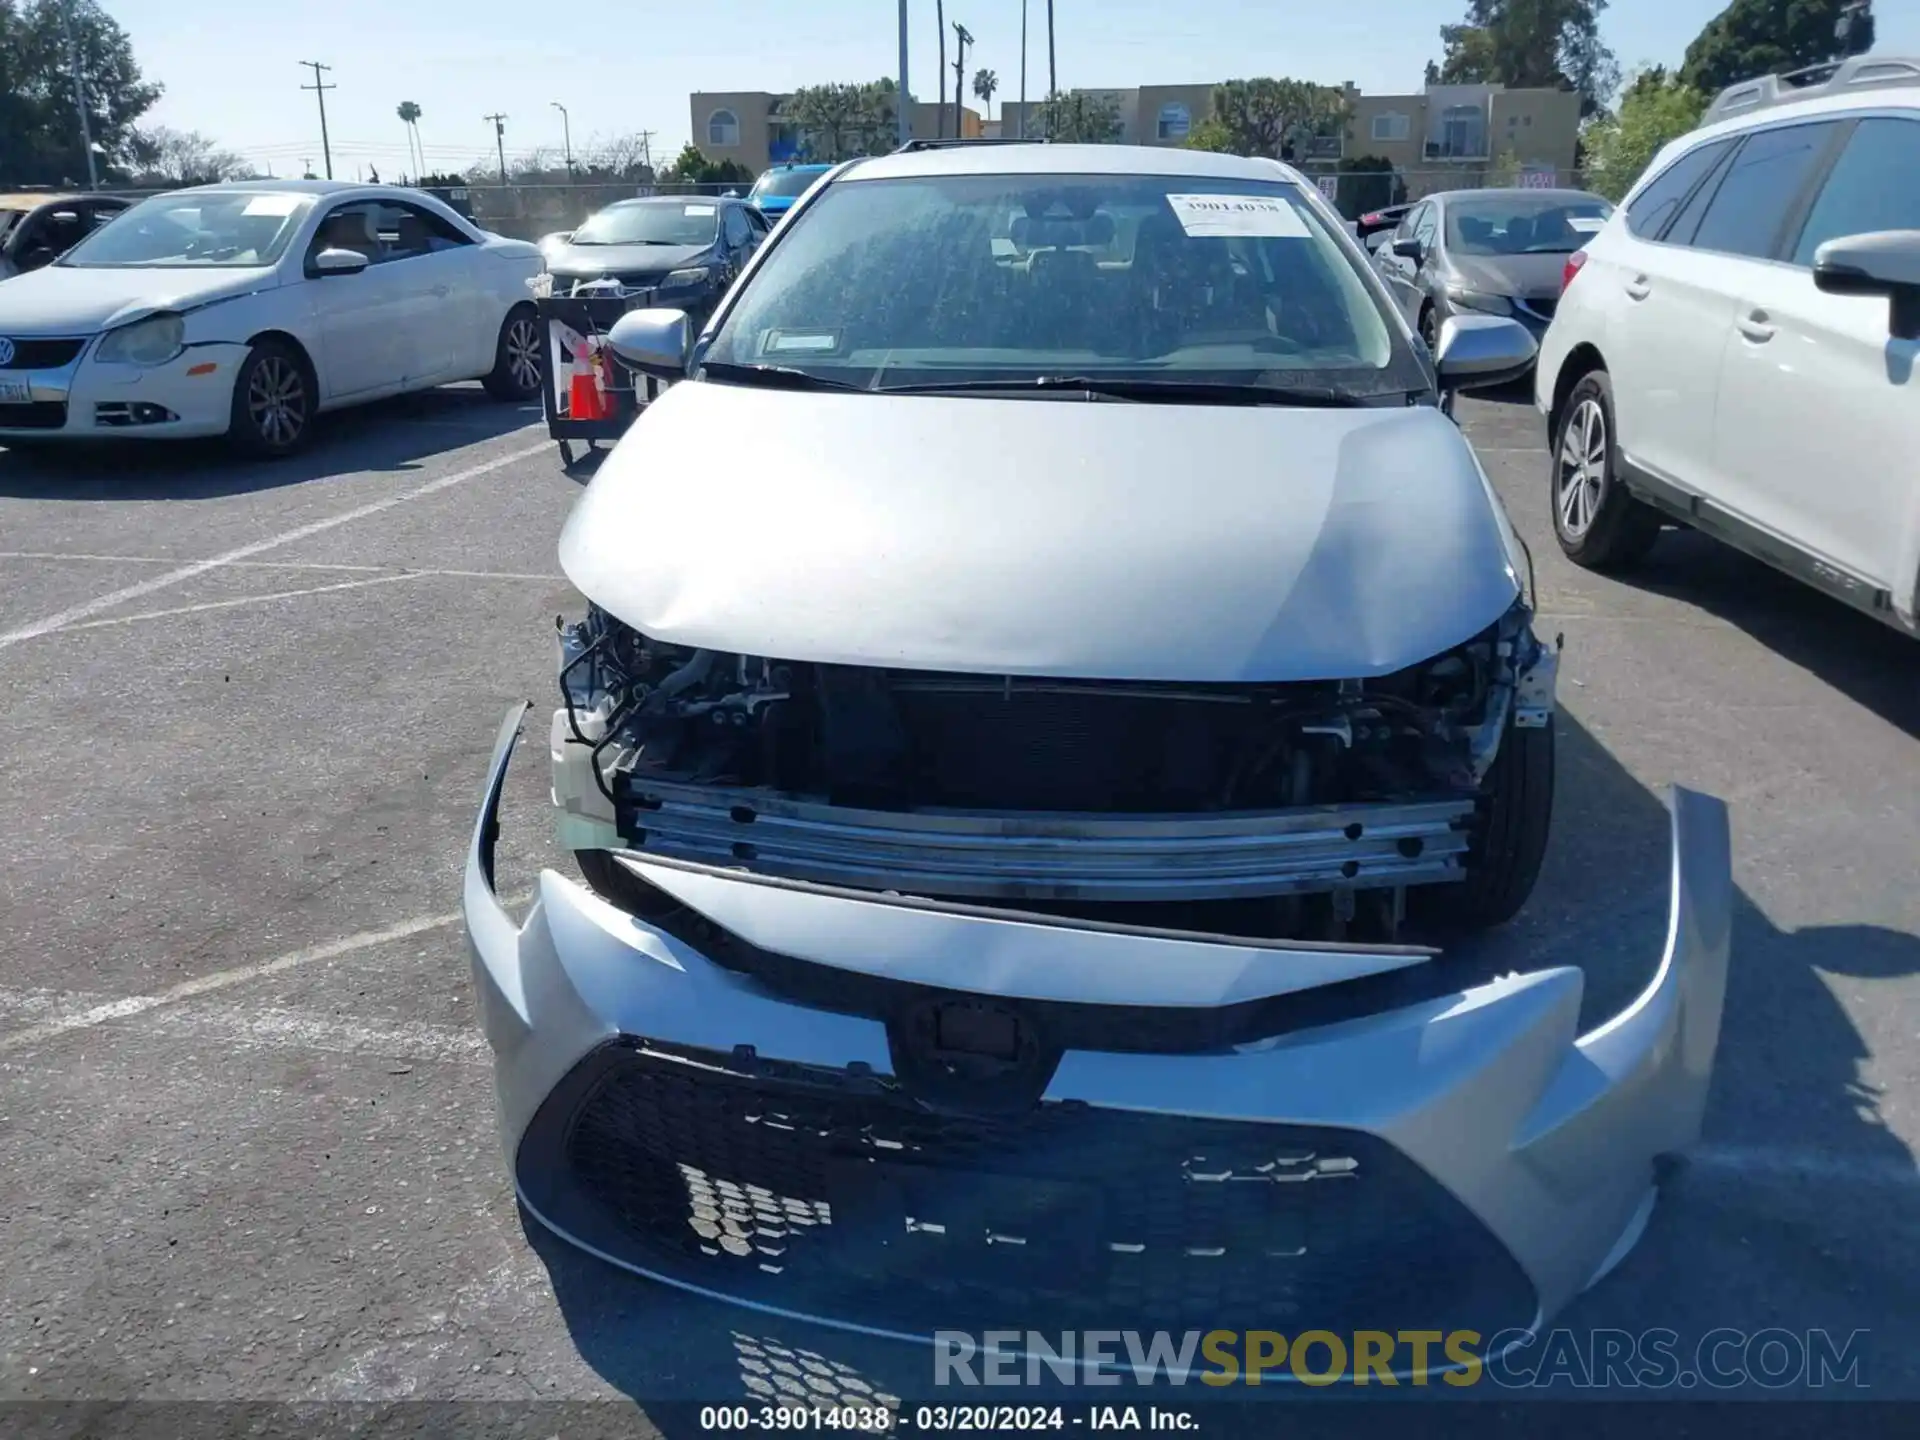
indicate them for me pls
(1883, 262)
(1480, 352)
(654, 342)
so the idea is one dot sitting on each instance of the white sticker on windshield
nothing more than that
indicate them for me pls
(1586, 224)
(281, 205)
(699, 210)
(1262, 215)
(786, 341)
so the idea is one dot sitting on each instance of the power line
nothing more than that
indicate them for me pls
(320, 88)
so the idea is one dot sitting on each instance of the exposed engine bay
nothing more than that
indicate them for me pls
(1282, 809)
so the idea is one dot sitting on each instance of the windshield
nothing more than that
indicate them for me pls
(991, 277)
(194, 228)
(1522, 224)
(652, 222)
(786, 184)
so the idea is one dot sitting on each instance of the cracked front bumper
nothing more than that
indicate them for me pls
(1470, 1160)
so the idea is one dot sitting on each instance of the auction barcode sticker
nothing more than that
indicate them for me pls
(1260, 215)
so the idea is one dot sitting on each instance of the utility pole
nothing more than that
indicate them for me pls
(1021, 130)
(940, 75)
(500, 141)
(80, 95)
(566, 129)
(962, 37)
(1053, 70)
(905, 121)
(646, 150)
(320, 88)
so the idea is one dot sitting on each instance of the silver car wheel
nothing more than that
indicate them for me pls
(523, 352)
(277, 400)
(1582, 469)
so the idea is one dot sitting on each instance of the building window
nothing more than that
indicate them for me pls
(723, 128)
(1463, 131)
(1391, 126)
(1175, 121)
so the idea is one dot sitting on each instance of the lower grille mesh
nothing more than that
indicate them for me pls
(843, 1199)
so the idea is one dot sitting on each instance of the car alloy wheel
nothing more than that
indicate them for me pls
(523, 353)
(277, 401)
(1582, 469)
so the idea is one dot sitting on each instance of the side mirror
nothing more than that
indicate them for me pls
(339, 262)
(1480, 352)
(1407, 249)
(1882, 262)
(654, 342)
(36, 256)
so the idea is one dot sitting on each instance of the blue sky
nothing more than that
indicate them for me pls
(233, 72)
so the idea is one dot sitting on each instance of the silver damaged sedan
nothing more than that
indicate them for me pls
(1007, 781)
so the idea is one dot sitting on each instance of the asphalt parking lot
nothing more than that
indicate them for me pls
(246, 1115)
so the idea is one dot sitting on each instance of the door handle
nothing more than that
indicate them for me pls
(1638, 288)
(1754, 326)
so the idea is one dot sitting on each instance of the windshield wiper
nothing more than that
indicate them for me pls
(776, 377)
(1146, 391)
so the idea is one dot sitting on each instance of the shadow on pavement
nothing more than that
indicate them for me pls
(1864, 659)
(1787, 1085)
(387, 435)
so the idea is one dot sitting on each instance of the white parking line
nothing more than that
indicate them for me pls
(288, 565)
(89, 1016)
(90, 608)
(237, 601)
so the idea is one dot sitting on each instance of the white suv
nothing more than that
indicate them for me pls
(1736, 349)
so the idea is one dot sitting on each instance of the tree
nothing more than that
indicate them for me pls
(1764, 37)
(1270, 117)
(1367, 182)
(162, 156)
(409, 114)
(690, 167)
(985, 82)
(1077, 118)
(620, 157)
(1530, 44)
(39, 127)
(837, 122)
(1655, 108)
(1505, 171)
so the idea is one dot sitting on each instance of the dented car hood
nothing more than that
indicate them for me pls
(1046, 537)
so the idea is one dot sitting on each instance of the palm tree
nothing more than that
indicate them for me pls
(409, 114)
(985, 82)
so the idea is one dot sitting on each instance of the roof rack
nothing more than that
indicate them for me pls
(1836, 77)
(949, 143)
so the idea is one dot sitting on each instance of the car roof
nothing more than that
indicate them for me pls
(1038, 159)
(1489, 191)
(630, 201)
(29, 199)
(797, 166)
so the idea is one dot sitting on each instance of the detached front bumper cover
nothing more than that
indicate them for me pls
(1466, 1160)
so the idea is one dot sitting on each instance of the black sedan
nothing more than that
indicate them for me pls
(680, 251)
(1487, 252)
(37, 228)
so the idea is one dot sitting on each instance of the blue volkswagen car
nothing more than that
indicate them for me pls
(775, 191)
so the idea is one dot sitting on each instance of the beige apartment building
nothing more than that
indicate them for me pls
(1443, 137)
(749, 126)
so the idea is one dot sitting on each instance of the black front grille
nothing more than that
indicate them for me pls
(1070, 749)
(39, 415)
(42, 354)
(839, 1196)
